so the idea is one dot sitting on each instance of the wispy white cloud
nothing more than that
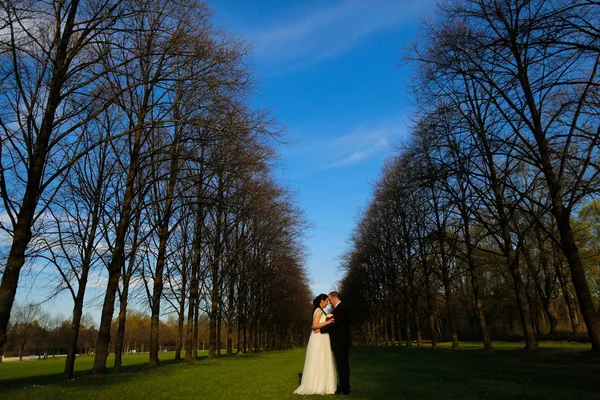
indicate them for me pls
(359, 145)
(98, 281)
(353, 158)
(304, 38)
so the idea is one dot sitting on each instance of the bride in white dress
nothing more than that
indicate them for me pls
(319, 375)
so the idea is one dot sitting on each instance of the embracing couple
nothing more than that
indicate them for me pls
(329, 339)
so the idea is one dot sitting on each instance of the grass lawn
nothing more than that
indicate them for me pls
(555, 371)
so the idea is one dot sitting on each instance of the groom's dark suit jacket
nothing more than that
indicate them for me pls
(339, 331)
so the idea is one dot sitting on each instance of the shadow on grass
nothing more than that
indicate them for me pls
(127, 372)
(425, 373)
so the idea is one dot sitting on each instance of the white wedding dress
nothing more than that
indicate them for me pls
(319, 375)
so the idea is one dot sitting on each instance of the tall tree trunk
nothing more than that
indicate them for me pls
(396, 324)
(475, 278)
(218, 347)
(383, 329)
(544, 297)
(189, 342)
(571, 305)
(74, 332)
(257, 334)
(507, 246)
(478, 298)
(78, 312)
(431, 307)
(251, 335)
(245, 345)
(150, 72)
(121, 327)
(590, 315)
(548, 284)
(242, 313)
(522, 301)
(162, 250)
(196, 330)
(450, 310)
(215, 274)
(238, 339)
(417, 317)
(407, 314)
(83, 278)
(181, 314)
(118, 256)
(127, 273)
(103, 340)
(388, 327)
(446, 281)
(230, 315)
(431, 316)
(191, 350)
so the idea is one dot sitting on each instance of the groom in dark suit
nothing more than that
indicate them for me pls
(339, 335)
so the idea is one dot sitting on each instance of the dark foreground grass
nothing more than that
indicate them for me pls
(555, 371)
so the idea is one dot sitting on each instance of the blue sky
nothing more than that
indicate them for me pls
(330, 72)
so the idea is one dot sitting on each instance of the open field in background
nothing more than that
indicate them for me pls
(555, 371)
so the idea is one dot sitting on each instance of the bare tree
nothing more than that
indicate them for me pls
(24, 323)
(51, 53)
(76, 246)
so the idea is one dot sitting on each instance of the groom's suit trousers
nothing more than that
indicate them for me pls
(340, 353)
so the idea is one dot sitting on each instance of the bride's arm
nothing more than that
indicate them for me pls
(316, 318)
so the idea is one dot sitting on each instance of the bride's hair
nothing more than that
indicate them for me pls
(317, 301)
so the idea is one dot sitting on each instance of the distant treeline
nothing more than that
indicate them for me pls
(41, 334)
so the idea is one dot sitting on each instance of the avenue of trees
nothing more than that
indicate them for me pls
(485, 223)
(130, 151)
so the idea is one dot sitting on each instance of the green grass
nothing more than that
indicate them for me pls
(51, 370)
(555, 371)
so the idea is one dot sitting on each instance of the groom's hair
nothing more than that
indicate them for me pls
(335, 294)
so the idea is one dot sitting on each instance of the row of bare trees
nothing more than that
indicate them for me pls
(488, 207)
(130, 151)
